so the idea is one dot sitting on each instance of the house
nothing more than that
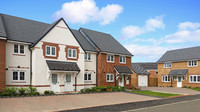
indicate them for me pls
(55, 57)
(179, 68)
(144, 74)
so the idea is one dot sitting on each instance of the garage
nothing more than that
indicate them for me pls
(143, 80)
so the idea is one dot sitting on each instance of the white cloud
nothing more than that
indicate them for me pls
(85, 11)
(151, 25)
(188, 26)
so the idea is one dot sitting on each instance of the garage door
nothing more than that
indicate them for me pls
(142, 80)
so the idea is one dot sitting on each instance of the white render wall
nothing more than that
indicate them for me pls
(15, 60)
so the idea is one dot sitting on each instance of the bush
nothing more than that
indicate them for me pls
(103, 89)
(22, 91)
(10, 91)
(47, 92)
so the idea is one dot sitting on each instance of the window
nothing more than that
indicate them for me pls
(110, 58)
(18, 49)
(109, 78)
(168, 65)
(165, 78)
(192, 63)
(50, 51)
(87, 56)
(122, 59)
(54, 78)
(71, 53)
(87, 77)
(195, 78)
(18, 76)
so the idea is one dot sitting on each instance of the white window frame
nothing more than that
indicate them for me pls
(87, 76)
(72, 53)
(193, 79)
(51, 53)
(123, 59)
(166, 65)
(109, 74)
(110, 55)
(166, 76)
(192, 63)
(19, 49)
(87, 56)
(18, 75)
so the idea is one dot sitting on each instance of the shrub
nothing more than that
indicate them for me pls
(82, 90)
(189, 87)
(47, 92)
(102, 89)
(22, 91)
(36, 93)
(10, 91)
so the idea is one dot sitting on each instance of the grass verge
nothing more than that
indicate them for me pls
(159, 94)
(197, 89)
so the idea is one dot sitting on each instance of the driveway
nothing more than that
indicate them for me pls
(184, 91)
(68, 102)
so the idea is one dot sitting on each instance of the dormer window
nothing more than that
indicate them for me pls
(122, 59)
(51, 51)
(110, 58)
(168, 65)
(192, 63)
(18, 49)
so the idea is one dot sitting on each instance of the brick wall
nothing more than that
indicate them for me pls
(104, 67)
(2, 64)
(178, 65)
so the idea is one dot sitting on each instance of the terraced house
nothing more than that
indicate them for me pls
(55, 57)
(179, 68)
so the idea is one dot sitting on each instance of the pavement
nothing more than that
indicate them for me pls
(175, 90)
(68, 102)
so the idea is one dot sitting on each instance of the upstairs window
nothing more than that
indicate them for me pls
(87, 56)
(18, 49)
(110, 58)
(18, 76)
(192, 63)
(50, 51)
(122, 59)
(165, 78)
(168, 65)
(87, 77)
(72, 53)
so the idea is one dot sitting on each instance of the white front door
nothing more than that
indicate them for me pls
(54, 83)
(179, 82)
(68, 82)
(121, 81)
(142, 80)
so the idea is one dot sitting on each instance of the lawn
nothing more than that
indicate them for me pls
(159, 94)
(197, 89)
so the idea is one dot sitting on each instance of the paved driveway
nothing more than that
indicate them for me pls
(184, 91)
(67, 102)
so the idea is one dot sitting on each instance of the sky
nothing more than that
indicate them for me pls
(147, 28)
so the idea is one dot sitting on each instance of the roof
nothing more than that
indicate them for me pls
(62, 66)
(2, 29)
(103, 42)
(123, 70)
(139, 70)
(181, 55)
(178, 72)
(84, 43)
(148, 65)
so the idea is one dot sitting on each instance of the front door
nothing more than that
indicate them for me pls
(179, 82)
(54, 83)
(68, 83)
(121, 81)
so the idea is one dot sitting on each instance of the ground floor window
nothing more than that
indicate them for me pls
(109, 77)
(18, 76)
(87, 77)
(195, 78)
(165, 78)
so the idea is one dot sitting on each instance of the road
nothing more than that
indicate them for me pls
(185, 106)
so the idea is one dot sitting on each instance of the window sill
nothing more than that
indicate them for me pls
(18, 82)
(110, 61)
(19, 54)
(88, 61)
(88, 81)
(109, 81)
(122, 63)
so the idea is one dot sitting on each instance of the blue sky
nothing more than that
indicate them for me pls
(147, 28)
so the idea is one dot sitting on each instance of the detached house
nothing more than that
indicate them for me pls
(179, 68)
(55, 57)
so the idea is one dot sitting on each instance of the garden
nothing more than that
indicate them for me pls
(103, 89)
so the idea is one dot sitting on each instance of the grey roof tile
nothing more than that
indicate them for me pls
(123, 70)
(105, 42)
(2, 28)
(178, 72)
(138, 69)
(181, 55)
(148, 65)
(62, 66)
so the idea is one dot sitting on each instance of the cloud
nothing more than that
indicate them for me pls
(150, 25)
(85, 11)
(187, 32)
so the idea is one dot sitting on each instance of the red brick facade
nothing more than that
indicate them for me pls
(104, 67)
(2, 64)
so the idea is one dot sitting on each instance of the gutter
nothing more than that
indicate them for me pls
(97, 69)
(76, 81)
